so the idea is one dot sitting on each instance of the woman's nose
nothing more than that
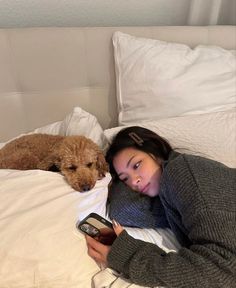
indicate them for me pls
(135, 181)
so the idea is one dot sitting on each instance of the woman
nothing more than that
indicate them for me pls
(199, 198)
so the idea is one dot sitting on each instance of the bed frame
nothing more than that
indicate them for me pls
(45, 72)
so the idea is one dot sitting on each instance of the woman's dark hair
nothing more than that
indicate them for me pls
(139, 138)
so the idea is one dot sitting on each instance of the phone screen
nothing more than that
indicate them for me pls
(99, 228)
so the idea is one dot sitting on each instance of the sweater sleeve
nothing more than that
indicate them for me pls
(202, 265)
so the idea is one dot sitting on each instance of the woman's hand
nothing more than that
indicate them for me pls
(99, 251)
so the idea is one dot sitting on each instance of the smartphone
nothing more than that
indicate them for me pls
(97, 227)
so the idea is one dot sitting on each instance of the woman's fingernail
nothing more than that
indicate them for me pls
(115, 224)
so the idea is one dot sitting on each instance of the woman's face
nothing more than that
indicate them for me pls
(139, 170)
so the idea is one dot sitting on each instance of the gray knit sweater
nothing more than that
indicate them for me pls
(199, 197)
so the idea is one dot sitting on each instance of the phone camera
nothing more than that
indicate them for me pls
(92, 231)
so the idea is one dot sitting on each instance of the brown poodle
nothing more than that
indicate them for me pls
(78, 158)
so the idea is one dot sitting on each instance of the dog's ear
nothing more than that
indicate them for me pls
(102, 165)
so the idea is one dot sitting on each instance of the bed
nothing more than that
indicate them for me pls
(178, 81)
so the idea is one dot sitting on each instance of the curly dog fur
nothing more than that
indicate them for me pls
(78, 158)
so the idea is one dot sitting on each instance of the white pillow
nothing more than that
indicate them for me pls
(53, 128)
(80, 122)
(211, 135)
(157, 79)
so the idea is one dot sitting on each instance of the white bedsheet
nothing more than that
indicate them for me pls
(109, 279)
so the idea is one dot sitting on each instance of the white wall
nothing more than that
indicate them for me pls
(31, 13)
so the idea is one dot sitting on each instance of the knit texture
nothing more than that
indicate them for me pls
(133, 209)
(199, 197)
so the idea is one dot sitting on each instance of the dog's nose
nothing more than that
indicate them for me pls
(85, 187)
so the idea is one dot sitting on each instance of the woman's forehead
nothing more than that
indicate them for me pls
(125, 156)
(126, 152)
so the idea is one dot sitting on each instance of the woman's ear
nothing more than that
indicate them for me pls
(102, 165)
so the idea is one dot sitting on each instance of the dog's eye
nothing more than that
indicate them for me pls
(89, 165)
(72, 167)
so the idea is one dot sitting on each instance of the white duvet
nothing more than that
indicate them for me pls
(40, 246)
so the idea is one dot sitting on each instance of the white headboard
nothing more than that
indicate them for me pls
(44, 72)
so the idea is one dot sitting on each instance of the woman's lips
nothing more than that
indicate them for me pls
(145, 189)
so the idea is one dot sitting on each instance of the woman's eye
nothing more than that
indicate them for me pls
(89, 165)
(136, 165)
(72, 168)
(125, 179)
